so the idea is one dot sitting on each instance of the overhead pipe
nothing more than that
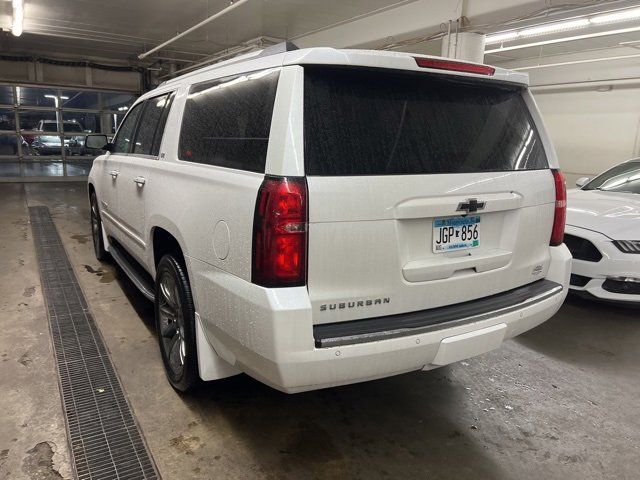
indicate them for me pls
(577, 62)
(210, 19)
(613, 82)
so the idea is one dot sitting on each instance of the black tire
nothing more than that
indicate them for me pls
(96, 229)
(175, 324)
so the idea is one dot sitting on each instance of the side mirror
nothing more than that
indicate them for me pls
(582, 181)
(98, 142)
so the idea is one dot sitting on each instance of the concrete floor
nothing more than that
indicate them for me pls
(558, 402)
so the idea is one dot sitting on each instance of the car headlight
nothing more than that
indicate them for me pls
(628, 246)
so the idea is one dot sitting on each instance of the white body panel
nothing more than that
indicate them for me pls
(276, 345)
(602, 217)
(614, 214)
(370, 237)
(268, 332)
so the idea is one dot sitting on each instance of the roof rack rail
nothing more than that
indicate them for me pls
(281, 47)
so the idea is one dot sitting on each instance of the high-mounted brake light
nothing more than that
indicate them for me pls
(439, 64)
(560, 217)
(280, 233)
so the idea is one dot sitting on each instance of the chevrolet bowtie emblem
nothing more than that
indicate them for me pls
(472, 205)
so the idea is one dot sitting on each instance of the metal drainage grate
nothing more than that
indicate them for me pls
(105, 440)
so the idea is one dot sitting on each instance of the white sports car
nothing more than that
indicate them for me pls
(603, 234)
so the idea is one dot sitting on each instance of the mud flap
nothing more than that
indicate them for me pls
(210, 365)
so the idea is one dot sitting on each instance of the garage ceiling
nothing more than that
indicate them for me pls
(122, 29)
(125, 28)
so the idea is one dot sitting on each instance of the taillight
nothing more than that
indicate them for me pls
(280, 233)
(440, 64)
(557, 234)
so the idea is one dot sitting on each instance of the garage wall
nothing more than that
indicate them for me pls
(77, 76)
(592, 130)
(590, 102)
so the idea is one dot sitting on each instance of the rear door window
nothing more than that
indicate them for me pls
(226, 122)
(368, 122)
(124, 137)
(151, 125)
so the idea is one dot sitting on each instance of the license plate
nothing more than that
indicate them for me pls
(456, 233)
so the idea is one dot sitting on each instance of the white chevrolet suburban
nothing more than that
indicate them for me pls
(319, 217)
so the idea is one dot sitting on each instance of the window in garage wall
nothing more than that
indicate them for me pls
(43, 129)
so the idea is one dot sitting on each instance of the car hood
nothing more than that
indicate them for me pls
(49, 139)
(616, 215)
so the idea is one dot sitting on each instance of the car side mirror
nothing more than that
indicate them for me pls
(582, 181)
(99, 142)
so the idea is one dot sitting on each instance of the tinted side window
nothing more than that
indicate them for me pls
(124, 137)
(157, 138)
(226, 122)
(151, 125)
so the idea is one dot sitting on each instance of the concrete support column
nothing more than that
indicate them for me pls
(88, 76)
(467, 46)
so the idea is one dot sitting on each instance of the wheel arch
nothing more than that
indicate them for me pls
(164, 239)
(90, 189)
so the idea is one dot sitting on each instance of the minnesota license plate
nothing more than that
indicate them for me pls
(456, 233)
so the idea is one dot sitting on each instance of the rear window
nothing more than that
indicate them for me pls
(226, 122)
(364, 122)
(71, 127)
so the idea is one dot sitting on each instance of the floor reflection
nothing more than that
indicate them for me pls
(52, 168)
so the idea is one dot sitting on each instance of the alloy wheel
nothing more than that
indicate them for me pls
(172, 325)
(95, 223)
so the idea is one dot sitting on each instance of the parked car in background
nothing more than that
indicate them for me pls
(603, 234)
(76, 142)
(8, 143)
(421, 224)
(51, 144)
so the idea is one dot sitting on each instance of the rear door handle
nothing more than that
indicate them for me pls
(140, 181)
(113, 173)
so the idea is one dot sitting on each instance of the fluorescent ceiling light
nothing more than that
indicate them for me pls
(501, 37)
(622, 16)
(18, 17)
(572, 38)
(553, 28)
(557, 27)
(535, 31)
